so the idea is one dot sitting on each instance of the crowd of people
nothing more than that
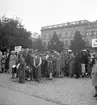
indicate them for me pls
(29, 64)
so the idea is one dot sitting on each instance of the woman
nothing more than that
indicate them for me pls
(22, 68)
(82, 53)
(3, 61)
(91, 62)
(7, 61)
(94, 75)
(50, 67)
(58, 61)
(62, 64)
(12, 61)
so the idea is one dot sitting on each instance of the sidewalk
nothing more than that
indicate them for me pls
(62, 91)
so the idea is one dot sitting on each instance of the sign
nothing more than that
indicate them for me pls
(18, 48)
(94, 42)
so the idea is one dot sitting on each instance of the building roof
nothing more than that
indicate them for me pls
(68, 25)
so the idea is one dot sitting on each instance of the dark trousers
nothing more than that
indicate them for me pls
(89, 69)
(86, 67)
(96, 89)
(38, 73)
(77, 69)
(66, 70)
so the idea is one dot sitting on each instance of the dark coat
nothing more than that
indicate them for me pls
(22, 69)
(77, 65)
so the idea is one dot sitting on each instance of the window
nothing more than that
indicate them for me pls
(87, 42)
(94, 32)
(44, 43)
(87, 33)
(66, 34)
(49, 36)
(44, 37)
(66, 42)
(71, 41)
(72, 34)
(60, 35)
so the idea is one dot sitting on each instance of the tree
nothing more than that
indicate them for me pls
(13, 33)
(38, 45)
(77, 43)
(55, 43)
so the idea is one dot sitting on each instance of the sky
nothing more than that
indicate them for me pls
(35, 14)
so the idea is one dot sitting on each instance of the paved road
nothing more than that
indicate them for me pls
(11, 97)
(63, 91)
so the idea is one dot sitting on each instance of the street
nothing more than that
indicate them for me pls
(10, 97)
(59, 91)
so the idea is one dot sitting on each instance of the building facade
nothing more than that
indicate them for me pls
(66, 31)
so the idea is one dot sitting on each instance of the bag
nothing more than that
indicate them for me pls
(18, 65)
(13, 66)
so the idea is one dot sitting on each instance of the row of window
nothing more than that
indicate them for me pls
(66, 42)
(66, 34)
(72, 34)
(60, 35)
(91, 33)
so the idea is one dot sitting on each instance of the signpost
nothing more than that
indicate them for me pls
(94, 45)
(18, 48)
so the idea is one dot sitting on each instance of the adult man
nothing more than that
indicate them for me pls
(37, 65)
(0, 60)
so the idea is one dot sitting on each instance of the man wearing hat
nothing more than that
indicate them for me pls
(71, 63)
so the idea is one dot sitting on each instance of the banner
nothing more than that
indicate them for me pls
(18, 48)
(94, 42)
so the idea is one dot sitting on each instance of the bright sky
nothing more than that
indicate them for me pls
(38, 13)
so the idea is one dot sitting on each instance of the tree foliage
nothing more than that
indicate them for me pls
(77, 43)
(55, 43)
(13, 33)
(38, 45)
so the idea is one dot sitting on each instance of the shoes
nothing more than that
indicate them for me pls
(77, 77)
(38, 80)
(95, 95)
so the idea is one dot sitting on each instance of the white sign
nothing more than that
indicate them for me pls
(18, 48)
(94, 42)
